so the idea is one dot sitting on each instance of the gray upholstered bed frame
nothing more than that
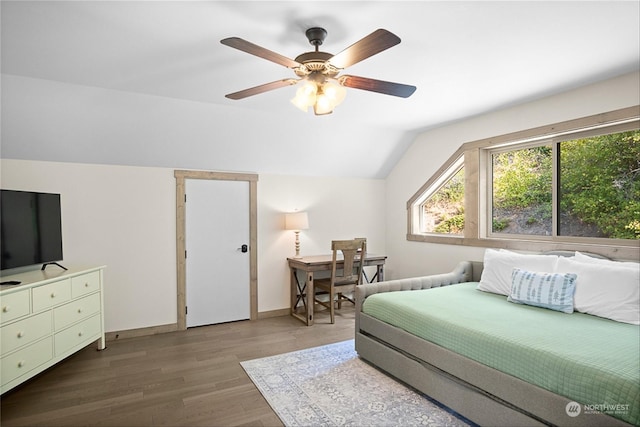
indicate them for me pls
(482, 394)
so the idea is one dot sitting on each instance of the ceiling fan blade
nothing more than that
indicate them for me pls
(259, 51)
(374, 43)
(380, 86)
(262, 88)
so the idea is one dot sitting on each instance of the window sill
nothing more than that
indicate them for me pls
(629, 250)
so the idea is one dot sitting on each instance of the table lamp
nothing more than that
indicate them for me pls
(296, 221)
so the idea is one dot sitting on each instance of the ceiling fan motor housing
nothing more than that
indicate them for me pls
(316, 36)
(315, 62)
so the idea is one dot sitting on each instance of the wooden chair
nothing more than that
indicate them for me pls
(345, 279)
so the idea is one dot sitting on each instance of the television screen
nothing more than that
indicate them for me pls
(31, 228)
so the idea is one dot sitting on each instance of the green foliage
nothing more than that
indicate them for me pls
(522, 178)
(600, 182)
(634, 226)
(500, 224)
(522, 190)
(446, 206)
(452, 225)
(452, 191)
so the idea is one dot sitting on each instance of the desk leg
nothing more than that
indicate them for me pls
(294, 290)
(380, 272)
(366, 278)
(310, 298)
(299, 293)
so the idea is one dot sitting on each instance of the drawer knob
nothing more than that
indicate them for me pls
(79, 310)
(80, 333)
(20, 334)
(21, 364)
(53, 294)
(86, 284)
(5, 309)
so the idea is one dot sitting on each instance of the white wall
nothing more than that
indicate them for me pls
(433, 147)
(121, 217)
(338, 209)
(124, 217)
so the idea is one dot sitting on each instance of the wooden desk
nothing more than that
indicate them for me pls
(303, 292)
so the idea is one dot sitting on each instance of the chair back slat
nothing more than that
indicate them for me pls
(352, 252)
(343, 281)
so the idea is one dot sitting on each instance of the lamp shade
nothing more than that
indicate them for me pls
(296, 221)
(321, 93)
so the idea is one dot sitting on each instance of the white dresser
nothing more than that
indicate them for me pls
(50, 315)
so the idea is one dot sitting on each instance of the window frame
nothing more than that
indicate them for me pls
(432, 188)
(487, 192)
(476, 157)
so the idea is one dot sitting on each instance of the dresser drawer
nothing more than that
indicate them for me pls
(14, 305)
(89, 329)
(25, 360)
(47, 296)
(85, 284)
(25, 331)
(75, 311)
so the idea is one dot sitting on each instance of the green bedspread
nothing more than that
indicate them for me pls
(590, 360)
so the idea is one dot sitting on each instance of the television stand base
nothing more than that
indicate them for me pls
(51, 263)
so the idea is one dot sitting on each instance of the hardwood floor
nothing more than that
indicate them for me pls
(189, 378)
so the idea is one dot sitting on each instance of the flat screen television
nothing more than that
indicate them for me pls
(31, 228)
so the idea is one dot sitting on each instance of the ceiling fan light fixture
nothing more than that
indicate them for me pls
(305, 96)
(303, 106)
(330, 94)
(335, 91)
(323, 95)
(324, 104)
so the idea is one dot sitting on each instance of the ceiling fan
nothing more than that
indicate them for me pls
(318, 72)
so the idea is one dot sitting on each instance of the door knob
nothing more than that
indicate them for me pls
(243, 248)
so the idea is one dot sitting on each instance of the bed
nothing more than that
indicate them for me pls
(497, 362)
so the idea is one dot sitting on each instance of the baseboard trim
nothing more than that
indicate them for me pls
(172, 327)
(141, 332)
(273, 313)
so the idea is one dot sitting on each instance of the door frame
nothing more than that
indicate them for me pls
(181, 263)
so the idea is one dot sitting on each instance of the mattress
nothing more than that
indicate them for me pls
(588, 359)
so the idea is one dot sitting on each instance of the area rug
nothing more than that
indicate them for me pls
(332, 386)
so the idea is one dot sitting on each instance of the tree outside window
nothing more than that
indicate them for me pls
(598, 188)
(522, 191)
(443, 211)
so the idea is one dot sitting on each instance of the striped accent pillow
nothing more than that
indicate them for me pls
(548, 290)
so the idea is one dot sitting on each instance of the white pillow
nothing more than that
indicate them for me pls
(586, 258)
(605, 290)
(498, 266)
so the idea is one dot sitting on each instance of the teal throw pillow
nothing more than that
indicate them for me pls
(548, 290)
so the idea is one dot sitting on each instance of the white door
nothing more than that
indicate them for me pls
(217, 264)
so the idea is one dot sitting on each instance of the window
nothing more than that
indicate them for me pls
(438, 208)
(443, 211)
(522, 191)
(597, 186)
(573, 185)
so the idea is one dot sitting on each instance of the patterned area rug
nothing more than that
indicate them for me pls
(332, 386)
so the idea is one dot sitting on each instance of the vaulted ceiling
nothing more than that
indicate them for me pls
(143, 83)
